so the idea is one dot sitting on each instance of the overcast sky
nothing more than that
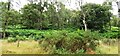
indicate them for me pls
(71, 6)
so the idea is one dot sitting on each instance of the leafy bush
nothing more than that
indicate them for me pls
(71, 41)
(81, 51)
(62, 51)
(115, 29)
(11, 39)
(35, 37)
(110, 34)
(89, 39)
(22, 38)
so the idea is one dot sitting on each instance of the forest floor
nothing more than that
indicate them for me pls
(32, 47)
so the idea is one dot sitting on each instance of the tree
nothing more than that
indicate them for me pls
(8, 16)
(32, 1)
(97, 16)
(35, 14)
(44, 15)
(52, 15)
(115, 21)
(5, 7)
(83, 13)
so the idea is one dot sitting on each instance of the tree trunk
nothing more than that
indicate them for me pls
(18, 44)
(4, 27)
(84, 22)
(4, 34)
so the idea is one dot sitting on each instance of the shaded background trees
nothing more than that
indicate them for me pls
(54, 15)
(97, 16)
(45, 15)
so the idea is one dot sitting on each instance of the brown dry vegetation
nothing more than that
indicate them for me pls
(26, 47)
(32, 47)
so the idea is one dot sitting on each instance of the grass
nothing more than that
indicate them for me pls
(26, 47)
(32, 47)
(119, 47)
(0, 47)
(111, 48)
(108, 49)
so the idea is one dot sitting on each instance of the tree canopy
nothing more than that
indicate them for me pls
(44, 15)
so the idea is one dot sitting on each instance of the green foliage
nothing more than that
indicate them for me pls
(89, 39)
(62, 51)
(115, 21)
(44, 15)
(11, 39)
(97, 15)
(110, 34)
(48, 18)
(70, 41)
(35, 12)
(115, 29)
(36, 18)
(81, 51)
(35, 37)
(14, 39)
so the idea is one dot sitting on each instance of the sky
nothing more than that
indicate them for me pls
(72, 5)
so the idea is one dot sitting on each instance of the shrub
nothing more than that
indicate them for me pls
(22, 38)
(81, 51)
(11, 39)
(110, 34)
(115, 29)
(62, 51)
(89, 39)
(36, 37)
(71, 41)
